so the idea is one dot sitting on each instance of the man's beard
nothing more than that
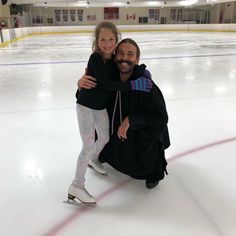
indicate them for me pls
(128, 69)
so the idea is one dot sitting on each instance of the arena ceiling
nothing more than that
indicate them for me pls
(115, 3)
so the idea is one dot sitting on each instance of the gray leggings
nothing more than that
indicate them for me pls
(90, 120)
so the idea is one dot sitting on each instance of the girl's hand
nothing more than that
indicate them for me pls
(86, 81)
(122, 131)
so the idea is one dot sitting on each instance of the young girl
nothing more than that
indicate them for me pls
(91, 107)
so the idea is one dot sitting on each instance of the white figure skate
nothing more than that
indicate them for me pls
(82, 195)
(97, 166)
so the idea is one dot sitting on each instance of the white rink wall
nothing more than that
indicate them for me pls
(11, 35)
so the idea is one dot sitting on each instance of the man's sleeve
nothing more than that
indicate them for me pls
(154, 116)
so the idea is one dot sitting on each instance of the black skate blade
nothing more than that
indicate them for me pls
(79, 204)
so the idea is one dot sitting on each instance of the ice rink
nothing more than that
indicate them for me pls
(40, 142)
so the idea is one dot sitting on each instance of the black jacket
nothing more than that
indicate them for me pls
(142, 154)
(105, 71)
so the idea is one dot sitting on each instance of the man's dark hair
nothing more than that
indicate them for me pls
(131, 41)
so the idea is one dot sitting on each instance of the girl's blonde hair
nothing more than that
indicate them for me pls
(101, 25)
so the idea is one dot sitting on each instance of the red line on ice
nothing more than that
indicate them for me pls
(65, 222)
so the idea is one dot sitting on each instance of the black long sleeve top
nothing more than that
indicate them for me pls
(106, 72)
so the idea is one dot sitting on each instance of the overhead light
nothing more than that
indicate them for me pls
(154, 3)
(82, 3)
(188, 2)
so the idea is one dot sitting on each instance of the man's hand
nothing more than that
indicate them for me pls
(86, 81)
(122, 131)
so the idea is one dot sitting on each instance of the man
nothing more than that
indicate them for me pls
(138, 123)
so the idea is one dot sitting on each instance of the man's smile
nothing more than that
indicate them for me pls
(124, 63)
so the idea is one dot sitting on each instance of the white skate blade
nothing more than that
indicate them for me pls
(92, 168)
(79, 204)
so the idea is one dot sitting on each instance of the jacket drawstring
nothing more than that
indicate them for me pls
(113, 115)
(118, 97)
(120, 107)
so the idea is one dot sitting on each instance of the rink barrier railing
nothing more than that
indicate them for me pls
(12, 35)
